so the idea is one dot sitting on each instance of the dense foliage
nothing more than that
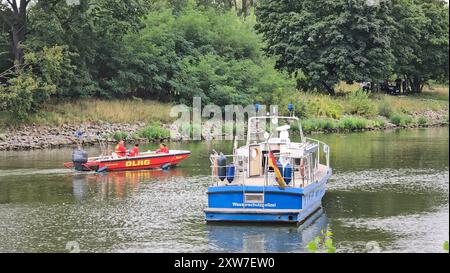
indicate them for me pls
(172, 50)
(421, 41)
(165, 50)
(358, 40)
(197, 53)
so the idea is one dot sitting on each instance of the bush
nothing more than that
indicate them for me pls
(353, 123)
(200, 52)
(324, 106)
(307, 104)
(401, 120)
(34, 83)
(308, 125)
(120, 136)
(385, 109)
(378, 123)
(423, 121)
(154, 132)
(360, 104)
(345, 124)
(313, 125)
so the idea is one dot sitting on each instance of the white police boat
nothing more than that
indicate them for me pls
(271, 178)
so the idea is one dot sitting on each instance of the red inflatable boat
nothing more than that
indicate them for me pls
(146, 160)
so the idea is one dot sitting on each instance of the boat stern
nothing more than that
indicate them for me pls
(258, 204)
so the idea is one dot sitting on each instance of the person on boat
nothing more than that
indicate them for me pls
(135, 151)
(120, 150)
(162, 149)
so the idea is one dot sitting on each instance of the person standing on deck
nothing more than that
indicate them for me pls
(135, 151)
(162, 149)
(121, 151)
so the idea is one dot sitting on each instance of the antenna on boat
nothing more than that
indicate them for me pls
(267, 136)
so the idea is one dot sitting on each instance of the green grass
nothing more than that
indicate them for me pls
(401, 120)
(360, 104)
(350, 110)
(313, 125)
(385, 109)
(120, 136)
(309, 105)
(422, 121)
(124, 111)
(353, 123)
(344, 124)
(153, 132)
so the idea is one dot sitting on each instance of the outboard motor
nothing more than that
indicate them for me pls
(79, 158)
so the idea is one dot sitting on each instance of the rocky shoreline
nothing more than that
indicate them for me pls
(35, 137)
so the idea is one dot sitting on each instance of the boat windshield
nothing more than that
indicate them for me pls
(274, 125)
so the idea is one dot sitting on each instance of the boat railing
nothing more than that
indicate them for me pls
(323, 151)
(304, 171)
(240, 171)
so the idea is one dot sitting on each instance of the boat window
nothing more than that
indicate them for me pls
(254, 198)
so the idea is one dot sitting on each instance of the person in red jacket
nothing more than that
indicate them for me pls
(135, 151)
(120, 150)
(162, 149)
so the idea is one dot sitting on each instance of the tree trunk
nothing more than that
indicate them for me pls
(244, 8)
(17, 20)
(329, 89)
(373, 87)
(416, 84)
(18, 36)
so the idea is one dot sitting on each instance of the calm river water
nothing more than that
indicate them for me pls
(390, 192)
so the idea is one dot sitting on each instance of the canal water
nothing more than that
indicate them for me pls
(389, 193)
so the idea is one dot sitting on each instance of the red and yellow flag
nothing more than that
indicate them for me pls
(273, 164)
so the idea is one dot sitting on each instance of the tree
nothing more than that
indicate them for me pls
(4, 49)
(421, 41)
(93, 33)
(14, 14)
(198, 52)
(242, 7)
(328, 41)
(35, 80)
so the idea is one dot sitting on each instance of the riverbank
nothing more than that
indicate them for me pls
(32, 137)
(146, 121)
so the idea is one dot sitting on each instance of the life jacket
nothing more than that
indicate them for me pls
(134, 152)
(121, 150)
(164, 150)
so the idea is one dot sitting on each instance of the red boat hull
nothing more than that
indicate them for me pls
(136, 163)
(130, 164)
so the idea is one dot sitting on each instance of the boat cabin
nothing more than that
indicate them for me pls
(300, 163)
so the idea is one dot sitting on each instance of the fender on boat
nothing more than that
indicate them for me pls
(287, 174)
(222, 169)
(231, 169)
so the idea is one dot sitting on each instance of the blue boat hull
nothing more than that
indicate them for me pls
(290, 205)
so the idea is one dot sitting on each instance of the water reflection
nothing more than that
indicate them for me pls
(388, 187)
(117, 184)
(247, 238)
